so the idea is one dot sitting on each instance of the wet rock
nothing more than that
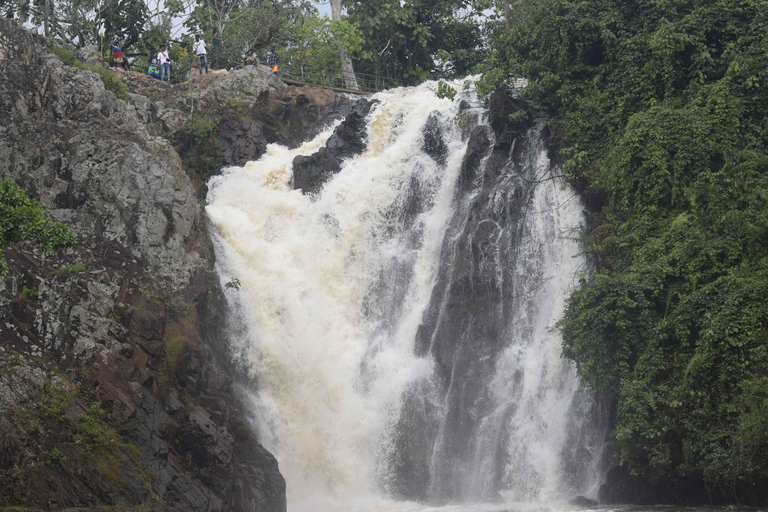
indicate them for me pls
(620, 487)
(347, 140)
(241, 141)
(478, 148)
(434, 143)
(581, 501)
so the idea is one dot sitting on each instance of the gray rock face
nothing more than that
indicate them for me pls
(242, 141)
(124, 328)
(254, 80)
(89, 54)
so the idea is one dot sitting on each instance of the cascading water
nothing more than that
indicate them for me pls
(398, 321)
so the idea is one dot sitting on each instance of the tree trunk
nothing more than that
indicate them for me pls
(507, 15)
(47, 15)
(347, 71)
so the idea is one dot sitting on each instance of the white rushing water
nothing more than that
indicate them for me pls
(333, 290)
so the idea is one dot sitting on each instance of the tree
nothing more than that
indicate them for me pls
(125, 16)
(245, 25)
(346, 63)
(308, 51)
(22, 218)
(415, 40)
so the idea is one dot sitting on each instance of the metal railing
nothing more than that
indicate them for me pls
(333, 77)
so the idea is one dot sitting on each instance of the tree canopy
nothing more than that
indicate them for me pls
(417, 40)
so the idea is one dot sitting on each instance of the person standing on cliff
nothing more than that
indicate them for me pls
(152, 58)
(201, 54)
(117, 52)
(273, 59)
(164, 63)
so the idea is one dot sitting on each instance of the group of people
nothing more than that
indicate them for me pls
(160, 62)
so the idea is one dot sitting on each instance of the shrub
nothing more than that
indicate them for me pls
(22, 218)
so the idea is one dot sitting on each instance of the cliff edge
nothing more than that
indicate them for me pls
(115, 383)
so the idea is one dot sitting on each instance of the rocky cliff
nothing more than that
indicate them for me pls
(115, 384)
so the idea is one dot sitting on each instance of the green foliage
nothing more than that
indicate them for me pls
(30, 293)
(245, 26)
(94, 433)
(660, 113)
(55, 400)
(22, 218)
(57, 457)
(112, 81)
(416, 40)
(203, 128)
(445, 91)
(125, 16)
(605, 325)
(315, 42)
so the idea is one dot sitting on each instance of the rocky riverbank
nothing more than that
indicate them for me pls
(116, 387)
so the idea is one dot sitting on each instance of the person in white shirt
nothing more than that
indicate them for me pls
(200, 53)
(164, 63)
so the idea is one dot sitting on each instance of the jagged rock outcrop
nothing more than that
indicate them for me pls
(227, 118)
(348, 139)
(113, 383)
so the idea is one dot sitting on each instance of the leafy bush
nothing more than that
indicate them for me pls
(94, 432)
(203, 128)
(55, 400)
(30, 293)
(112, 81)
(22, 218)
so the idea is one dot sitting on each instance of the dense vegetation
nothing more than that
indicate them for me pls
(22, 218)
(661, 111)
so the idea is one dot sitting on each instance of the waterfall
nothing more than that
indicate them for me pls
(397, 322)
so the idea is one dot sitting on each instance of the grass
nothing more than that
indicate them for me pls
(112, 81)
